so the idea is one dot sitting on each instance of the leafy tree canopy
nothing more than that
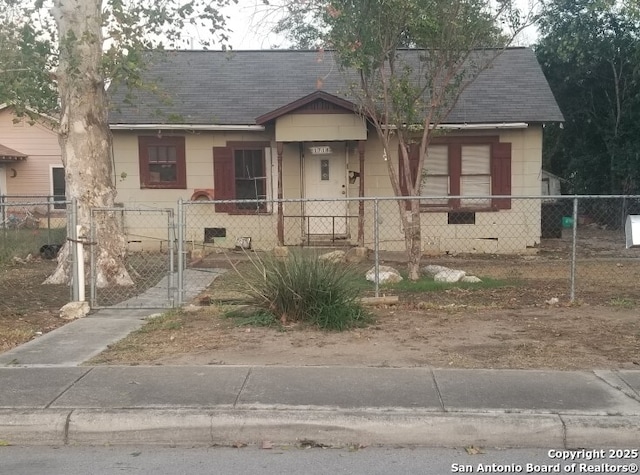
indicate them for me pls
(26, 60)
(30, 44)
(590, 52)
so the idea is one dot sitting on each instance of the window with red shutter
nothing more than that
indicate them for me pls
(162, 162)
(463, 166)
(240, 173)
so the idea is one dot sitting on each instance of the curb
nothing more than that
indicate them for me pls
(191, 427)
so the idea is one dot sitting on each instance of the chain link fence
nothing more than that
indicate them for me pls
(565, 247)
(33, 229)
(552, 247)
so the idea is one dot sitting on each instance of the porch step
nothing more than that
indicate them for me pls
(328, 243)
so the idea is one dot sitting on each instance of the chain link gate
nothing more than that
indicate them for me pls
(150, 258)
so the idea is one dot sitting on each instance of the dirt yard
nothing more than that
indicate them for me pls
(27, 308)
(516, 324)
(509, 326)
(563, 338)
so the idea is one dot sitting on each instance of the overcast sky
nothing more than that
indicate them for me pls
(251, 30)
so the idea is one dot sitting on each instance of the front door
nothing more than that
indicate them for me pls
(325, 177)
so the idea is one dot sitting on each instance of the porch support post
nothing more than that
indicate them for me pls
(279, 148)
(361, 144)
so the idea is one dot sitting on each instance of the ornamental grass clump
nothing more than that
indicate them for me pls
(304, 288)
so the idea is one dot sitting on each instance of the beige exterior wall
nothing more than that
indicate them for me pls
(516, 230)
(40, 142)
(506, 231)
(320, 127)
(199, 158)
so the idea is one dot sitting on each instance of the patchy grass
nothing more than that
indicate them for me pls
(429, 285)
(246, 316)
(172, 320)
(12, 337)
(621, 302)
(22, 242)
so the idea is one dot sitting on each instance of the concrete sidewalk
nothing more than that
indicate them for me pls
(209, 405)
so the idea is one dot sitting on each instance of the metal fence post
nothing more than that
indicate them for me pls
(49, 202)
(376, 244)
(170, 242)
(574, 239)
(4, 215)
(181, 225)
(73, 232)
(4, 212)
(92, 262)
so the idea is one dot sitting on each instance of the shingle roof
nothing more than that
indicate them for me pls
(235, 88)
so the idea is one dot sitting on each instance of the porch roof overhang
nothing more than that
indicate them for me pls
(9, 155)
(306, 100)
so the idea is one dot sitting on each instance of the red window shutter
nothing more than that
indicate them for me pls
(223, 178)
(143, 160)
(501, 174)
(455, 173)
(181, 171)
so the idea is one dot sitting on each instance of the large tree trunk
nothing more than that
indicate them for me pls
(85, 138)
(412, 236)
(410, 219)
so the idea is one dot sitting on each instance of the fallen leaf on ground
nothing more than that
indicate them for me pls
(473, 450)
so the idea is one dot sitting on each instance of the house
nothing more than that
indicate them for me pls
(280, 124)
(30, 157)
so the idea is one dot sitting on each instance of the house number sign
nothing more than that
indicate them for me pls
(324, 150)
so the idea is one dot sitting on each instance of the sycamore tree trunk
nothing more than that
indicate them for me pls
(85, 138)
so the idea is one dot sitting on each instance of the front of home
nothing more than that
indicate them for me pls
(277, 124)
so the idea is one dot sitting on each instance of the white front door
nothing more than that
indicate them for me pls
(325, 177)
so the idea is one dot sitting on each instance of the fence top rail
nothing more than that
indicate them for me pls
(13, 204)
(32, 196)
(134, 210)
(422, 198)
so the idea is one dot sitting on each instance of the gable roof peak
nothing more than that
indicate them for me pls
(316, 96)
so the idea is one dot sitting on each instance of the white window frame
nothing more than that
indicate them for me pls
(51, 192)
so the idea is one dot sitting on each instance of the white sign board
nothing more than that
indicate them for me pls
(632, 231)
(324, 150)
